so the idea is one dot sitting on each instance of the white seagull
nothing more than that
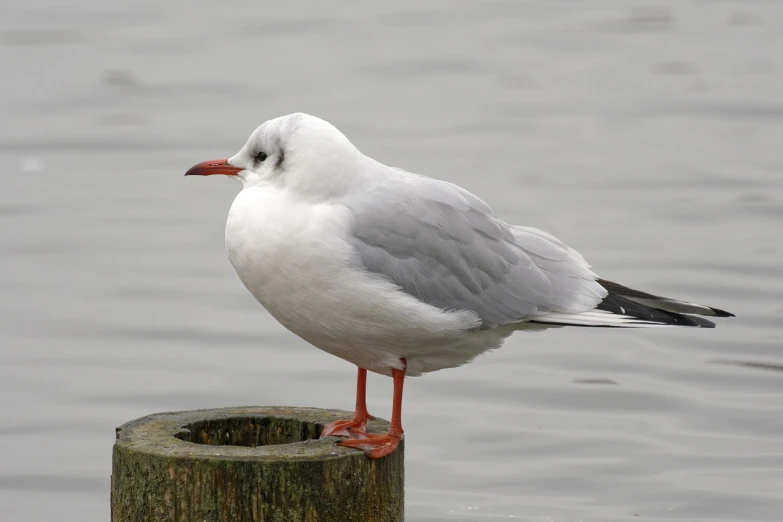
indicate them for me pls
(401, 274)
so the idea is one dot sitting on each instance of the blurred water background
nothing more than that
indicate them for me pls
(645, 134)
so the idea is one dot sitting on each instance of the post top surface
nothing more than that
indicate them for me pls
(240, 433)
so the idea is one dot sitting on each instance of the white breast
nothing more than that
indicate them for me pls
(285, 252)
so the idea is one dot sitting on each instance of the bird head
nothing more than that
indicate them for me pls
(300, 152)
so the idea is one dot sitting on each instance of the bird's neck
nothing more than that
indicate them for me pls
(324, 181)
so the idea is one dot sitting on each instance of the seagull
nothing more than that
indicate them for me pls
(398, 273)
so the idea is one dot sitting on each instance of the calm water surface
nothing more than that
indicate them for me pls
(645, 134)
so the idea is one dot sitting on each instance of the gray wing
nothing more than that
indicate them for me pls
(441, 244)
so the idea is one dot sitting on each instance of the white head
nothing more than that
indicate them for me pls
(298, 151)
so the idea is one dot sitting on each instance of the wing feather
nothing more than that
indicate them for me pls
(441, 244)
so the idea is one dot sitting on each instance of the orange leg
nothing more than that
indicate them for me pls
(346, 428)
(377, 446)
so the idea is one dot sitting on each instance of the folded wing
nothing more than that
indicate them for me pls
(443, 245)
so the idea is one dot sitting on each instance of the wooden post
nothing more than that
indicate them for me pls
(250, 464)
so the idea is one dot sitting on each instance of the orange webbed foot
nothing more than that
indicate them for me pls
(346, 428)
(375, 446)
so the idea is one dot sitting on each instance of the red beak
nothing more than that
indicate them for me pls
(208, 168)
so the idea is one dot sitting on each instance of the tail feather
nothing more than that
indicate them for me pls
(625, 307)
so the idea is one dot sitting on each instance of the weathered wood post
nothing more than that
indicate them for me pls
(250, 464)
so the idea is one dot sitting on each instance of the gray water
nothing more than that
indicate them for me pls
(645, 134)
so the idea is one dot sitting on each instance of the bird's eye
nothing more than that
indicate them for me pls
(260, 156)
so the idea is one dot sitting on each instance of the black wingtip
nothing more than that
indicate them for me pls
(620, 305)
(694, 320)
(722, 313)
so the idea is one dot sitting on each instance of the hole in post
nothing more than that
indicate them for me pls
(249, 431)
